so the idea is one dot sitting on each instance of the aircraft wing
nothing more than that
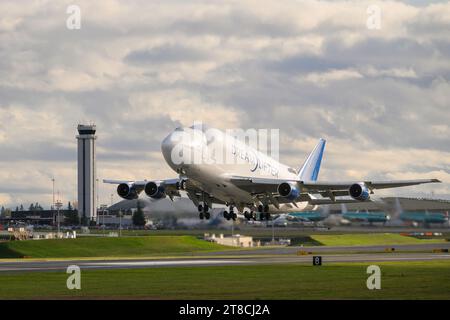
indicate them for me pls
(172, 188)
(327, 189)
(329, 201)
(138, 183)
(143, 182)
(324, 186)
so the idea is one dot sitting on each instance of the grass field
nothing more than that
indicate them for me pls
(262, 232)
(369, 239)
(145, 246)
(107, 247)
(399, 280)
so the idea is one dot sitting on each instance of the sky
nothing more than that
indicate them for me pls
(138, 69)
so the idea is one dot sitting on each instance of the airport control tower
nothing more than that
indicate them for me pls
(87, 173)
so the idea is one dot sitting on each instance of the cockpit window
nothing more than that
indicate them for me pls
(181, 129)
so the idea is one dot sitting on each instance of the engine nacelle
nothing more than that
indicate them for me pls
(154, 190)
(288, 190)
(128, 191)
(359, 191)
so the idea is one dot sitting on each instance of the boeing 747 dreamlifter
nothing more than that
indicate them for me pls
(249, 181)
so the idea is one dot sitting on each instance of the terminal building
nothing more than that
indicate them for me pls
(87, 173)
(40, 217)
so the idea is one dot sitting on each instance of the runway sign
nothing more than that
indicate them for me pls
(317, 260)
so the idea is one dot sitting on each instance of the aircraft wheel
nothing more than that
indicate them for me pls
(200, 215)
(234, 216)
(200, 208)
(207, 215)
(267, 216)
(254, 216)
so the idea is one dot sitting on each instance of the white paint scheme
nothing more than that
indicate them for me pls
(212, 177)
(218, 168)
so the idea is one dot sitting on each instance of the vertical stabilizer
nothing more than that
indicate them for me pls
(310, 169)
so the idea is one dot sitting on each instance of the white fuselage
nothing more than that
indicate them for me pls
(209, 157)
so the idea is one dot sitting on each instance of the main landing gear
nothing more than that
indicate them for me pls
(263, 212)
(181, 185)
(203, 212)
(249, 215)
(230, 215)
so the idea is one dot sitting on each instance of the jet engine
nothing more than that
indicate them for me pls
(359, 191)
(128, 191)
(155, 191)
(288, 190)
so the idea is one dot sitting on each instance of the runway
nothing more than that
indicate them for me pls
(271, 255)
(52, 265)
(335, 249)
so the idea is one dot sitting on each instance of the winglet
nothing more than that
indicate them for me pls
(310, 169)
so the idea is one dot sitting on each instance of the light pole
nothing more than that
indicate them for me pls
(103, 215)
(58, 205)
(273, 232)
(120, 223)
(97, 205)
(232, 228)
(53, 184)
(103, 208)
(53, 201)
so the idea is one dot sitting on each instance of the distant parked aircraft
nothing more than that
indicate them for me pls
(365, 216)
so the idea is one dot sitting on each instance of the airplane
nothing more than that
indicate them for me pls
(416, 217)
(312, 216)
(366, 216)
(305, 217)
(424, 217)
(247, 179)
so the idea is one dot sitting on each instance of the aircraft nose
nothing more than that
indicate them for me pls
(178, 147)
(167, 147)
(173, 146)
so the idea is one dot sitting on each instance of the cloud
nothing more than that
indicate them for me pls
(323, 78)
(139, 69)
(394, 72)
(165, 54)
(185, 108)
